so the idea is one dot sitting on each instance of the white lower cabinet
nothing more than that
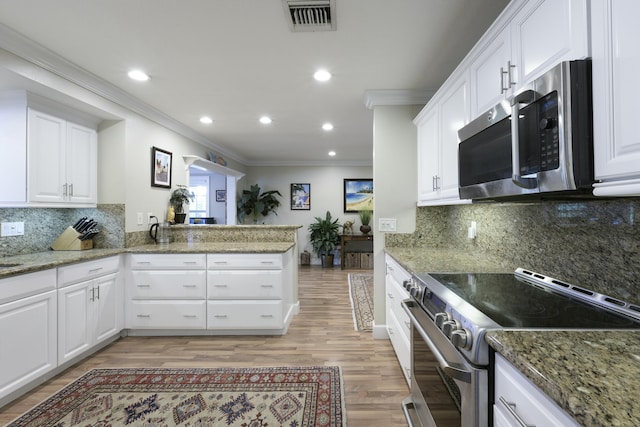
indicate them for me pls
(519, 402)
(166, 291)
(28, 334)
(250, 315)
(89, 311)
(398, 323)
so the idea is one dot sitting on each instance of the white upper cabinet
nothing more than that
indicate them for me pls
(528, 39)
(49, 160)
(438, 124)
(616, 59)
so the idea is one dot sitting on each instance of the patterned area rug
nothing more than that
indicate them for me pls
(159, 397)
(361, 294)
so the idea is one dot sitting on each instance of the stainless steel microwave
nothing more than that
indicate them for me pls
(547, 151)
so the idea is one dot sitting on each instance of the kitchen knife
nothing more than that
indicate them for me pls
(78, 222)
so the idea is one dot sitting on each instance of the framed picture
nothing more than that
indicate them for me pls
(160, 168)
(221, 195)
(300, 197)
(358, 194)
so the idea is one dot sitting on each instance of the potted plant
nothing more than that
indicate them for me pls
(179, 197)
(254, 203)
(324, 238)
(365, 219)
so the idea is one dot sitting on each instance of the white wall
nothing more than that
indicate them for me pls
(327, 184)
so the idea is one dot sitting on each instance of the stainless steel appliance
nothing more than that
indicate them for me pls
(450, 314)
(548, 150)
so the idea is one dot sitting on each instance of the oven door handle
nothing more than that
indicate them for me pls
(454, 370)
(526, 97)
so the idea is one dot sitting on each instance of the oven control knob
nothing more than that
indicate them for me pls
(462, 338)
(416, 292)
(449, 327)
(546, 123)
(440, 318)
(407, 284)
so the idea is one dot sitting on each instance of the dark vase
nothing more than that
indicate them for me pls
(327, 260)
(365, 229)
(180, 217)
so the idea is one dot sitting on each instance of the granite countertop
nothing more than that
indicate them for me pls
(438, 260)
(30, 263)
(592, 375)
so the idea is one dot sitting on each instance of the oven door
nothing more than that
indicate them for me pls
(446, 391)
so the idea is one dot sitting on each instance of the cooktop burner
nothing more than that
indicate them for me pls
(511, 301)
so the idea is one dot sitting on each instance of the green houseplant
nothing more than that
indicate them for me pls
(324, 237)
(365, 219)
(254, 203)
(179, 197)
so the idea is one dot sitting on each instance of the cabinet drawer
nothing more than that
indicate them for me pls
(168, 284)
(87, 270)
(24, 285)
(394, 269)
(244, 261)
(351, 260)
(366, 260)
(256, 284)
(401, 343)
(532, 405)
(167, 314)
(244, 315)
(167, 262)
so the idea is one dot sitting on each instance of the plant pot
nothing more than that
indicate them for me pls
(180, 217)
(327, 260)
(365, 229)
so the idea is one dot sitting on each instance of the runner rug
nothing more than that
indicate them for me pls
(161, 397)
(361, 294)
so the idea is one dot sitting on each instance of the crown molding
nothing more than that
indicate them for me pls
(374, 98)
(27, 49)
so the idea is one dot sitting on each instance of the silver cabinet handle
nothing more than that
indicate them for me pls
(97, 288)
(267, 316)
(144, 316)
(143, 286)
(190, 316)
(70, 190)
(190, 262)
(64, 189)
(95, 270)
(220, 316)
(523, 98)
(188, 286)
(510, 83)
(390, 295)
(511, 407)
(266, 262)
(266, 286)
(220, 286)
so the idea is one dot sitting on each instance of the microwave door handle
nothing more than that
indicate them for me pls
(524, 98)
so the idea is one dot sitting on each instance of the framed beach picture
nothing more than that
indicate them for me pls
(358, 194)
(160, 168)
(300, 197)
(221, 195)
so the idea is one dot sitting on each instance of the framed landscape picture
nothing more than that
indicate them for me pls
(160, 168)
(358, 194)
(300, 197)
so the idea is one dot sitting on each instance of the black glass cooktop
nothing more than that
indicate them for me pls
(511, 302)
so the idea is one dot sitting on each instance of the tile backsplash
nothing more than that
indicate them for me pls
(594, 243)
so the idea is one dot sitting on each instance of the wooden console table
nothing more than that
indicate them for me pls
(356, 251)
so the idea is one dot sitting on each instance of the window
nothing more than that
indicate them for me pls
(199, 185)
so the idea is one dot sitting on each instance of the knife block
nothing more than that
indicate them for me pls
(69, 241)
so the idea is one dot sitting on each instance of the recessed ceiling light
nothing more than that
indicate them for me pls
(206, 120)
(265, 120)
(322, 75)
(138, 75)
(327, 126)
(332, 153)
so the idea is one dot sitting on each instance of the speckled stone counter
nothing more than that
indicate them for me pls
(438, 260)
(52, 259)
(593, 375)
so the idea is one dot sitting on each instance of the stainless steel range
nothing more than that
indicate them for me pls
(450, 315)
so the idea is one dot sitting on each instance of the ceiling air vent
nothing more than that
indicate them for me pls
(310, 15)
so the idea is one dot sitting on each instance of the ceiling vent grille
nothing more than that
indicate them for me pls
(310, 15)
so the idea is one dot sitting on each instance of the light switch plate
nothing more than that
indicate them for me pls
(386, 224)
(12, 229)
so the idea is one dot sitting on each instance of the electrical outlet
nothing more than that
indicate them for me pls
(150, 215)
(386, 224)
(472, 231)
(140, 218)
(12, 229)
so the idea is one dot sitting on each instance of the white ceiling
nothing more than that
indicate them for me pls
(236, 60)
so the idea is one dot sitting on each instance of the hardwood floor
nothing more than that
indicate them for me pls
(321, 334)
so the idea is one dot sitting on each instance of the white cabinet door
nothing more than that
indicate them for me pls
(546, 32)
(74, 332)
(427, 154)
(28, 340)
(46, 158)
(82, 164)
(107, 315)
(615, 35)
(489, 73)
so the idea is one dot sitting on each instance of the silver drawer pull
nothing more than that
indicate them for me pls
(95, 270)
(188, 286)
(190, 316)
(220, 286)
(144, 316)
(511, 407)
(267, 316)
(221, 262)
(190, 262)
(143, 262)
(144, 286)
(390, 295)
(220, 316)
(266, 262)
(266, 286)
